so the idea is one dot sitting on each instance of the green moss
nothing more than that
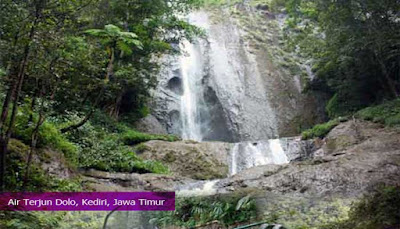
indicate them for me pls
(320, 130)
(50, 136)
(387, 113)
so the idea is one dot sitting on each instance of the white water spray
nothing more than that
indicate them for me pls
(200, 188)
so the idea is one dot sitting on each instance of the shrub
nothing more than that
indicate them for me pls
(132, 137)
(109, 154)
(49, 134)
(387, 113)
(320, 130)
(197, 211)
(38, 179)
(379, 210)
(101, 146)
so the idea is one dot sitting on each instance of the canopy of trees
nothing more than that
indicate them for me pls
(63, 56)
(355, 46)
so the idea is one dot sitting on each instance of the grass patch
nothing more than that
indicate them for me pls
(320, 130)
(132, 137)
(387, 113)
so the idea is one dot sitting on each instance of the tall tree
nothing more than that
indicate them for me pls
(358, 52)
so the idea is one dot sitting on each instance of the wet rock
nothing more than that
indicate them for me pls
(297, 149)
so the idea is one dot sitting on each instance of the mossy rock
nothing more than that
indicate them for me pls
(339, 143)
(196, 160)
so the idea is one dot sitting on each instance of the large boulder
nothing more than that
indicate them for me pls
(205, 160)
(151, 125)
(96, 180)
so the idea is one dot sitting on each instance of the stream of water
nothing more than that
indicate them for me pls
(191, 70)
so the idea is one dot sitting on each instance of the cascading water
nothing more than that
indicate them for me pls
(200, 188)
(245, 155)
(191, 73)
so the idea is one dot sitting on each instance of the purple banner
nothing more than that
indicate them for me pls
(87, 201)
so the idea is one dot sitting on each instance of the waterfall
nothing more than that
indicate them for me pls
(191, 73)
(245, 155)
(215, 90)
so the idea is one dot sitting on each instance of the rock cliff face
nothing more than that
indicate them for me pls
(247, 93)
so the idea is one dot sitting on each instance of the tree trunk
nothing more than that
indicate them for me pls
(108, 216)
(110, 66)
(6, 105)
(33, 104)
(34, 138)
(3, 148)
(15, 92)
(109, 72)
(88, 115)
(115, 107)
(389, 81)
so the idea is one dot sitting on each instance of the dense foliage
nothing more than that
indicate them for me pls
(197, 212)
(70, 72)
(355, 48)
(386, 113)
(64, 61)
